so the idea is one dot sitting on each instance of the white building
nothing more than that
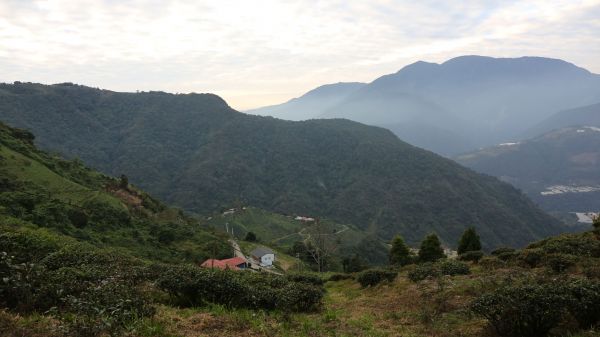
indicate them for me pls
(264, 256)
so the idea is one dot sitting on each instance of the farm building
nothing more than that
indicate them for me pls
(235, 263)
(264, 256)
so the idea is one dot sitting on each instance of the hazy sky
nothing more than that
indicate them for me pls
(259, 52)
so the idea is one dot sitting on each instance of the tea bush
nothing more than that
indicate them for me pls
(473, 256)
(535, 309)
(373, 277)
(505, 253)
(339, 277)
(531, 257)
(306, 278)
(189, 285)
(529, 310)
(491, 262)
(453, 267)
(559, 263)
(584, 302)
(584, 244)
(432, 270)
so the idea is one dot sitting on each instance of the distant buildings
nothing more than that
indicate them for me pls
(304, 219)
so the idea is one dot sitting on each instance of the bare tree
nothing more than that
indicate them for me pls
(320, 244)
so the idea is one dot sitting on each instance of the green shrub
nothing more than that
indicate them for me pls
(584, 302)
(306, 278)
(584, 244)
(372, 277)
(453, 267)
(104, 308)
(189, 285)
(423, 271)
(505, 253)
(473, 256)
(339, 277)
(591, 268)
(491, 262)
(559, 263)
(18, 283)
(502, 250)
(299, 297)
(531, 257)
(529, 310)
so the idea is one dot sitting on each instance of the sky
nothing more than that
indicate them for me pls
(262, 52)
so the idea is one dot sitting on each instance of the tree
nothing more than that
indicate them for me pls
(124, 182)
(597, 222)
(400, 254)
(250, 237)
(321, 244)
(431, 249)
(469, 241)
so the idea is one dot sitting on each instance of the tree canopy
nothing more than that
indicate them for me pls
(431, 249)
(469, 241)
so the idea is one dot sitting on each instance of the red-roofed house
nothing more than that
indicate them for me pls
(234, 263)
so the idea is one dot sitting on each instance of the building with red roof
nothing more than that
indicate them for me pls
(234, 263)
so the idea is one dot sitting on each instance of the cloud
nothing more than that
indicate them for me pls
(261, 52)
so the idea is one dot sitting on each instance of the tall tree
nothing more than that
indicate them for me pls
(400, 254)
(469, 241)
(431, 249)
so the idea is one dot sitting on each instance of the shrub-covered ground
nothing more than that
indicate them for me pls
(494, 298)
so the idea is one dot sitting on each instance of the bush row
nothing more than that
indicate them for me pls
(535, 309)
(445, 267)
(373, 277)
(189, 285)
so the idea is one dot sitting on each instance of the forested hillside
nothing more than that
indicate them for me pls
(40, 192)
(196, 152)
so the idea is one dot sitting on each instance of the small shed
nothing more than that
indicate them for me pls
(264, 256)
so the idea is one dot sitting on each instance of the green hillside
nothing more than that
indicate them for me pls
(281, 231)
(42, 191)
(195, 152)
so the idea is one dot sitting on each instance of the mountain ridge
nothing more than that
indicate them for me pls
(196, 152)
(482, 99)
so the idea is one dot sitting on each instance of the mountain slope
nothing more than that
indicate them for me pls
(310, 105)
(196, 152)
(39, 191)
(567, 157)
(581, 116)
(477, 101)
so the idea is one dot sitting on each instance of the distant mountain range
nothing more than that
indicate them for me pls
(462, 104)
(196, 152)
(312, 104)
(560, 169)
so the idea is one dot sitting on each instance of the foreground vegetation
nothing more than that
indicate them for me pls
(83, 254)
(499, 296)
